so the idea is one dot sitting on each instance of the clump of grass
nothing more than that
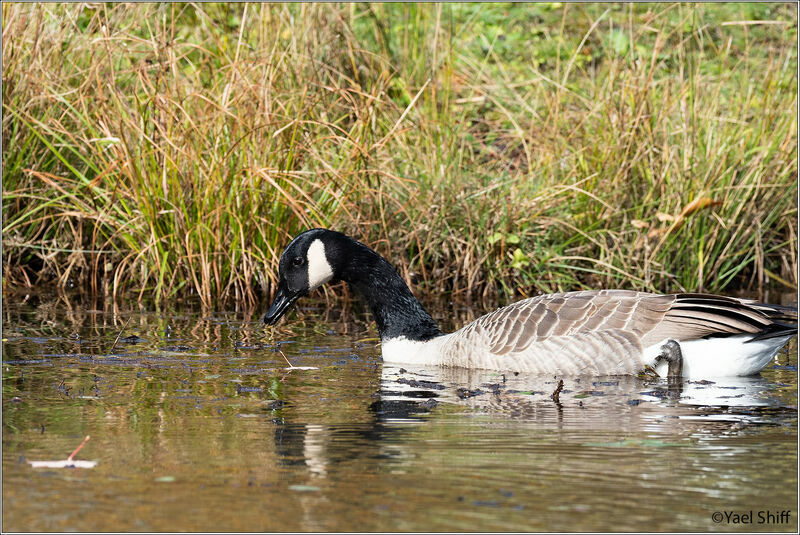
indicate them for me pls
(186, 162)
(176, 148)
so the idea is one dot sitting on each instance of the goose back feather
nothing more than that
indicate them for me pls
(600, 332)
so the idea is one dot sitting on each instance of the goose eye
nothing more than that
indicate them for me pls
(297, 261)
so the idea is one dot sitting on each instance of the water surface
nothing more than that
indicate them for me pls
(197, 424)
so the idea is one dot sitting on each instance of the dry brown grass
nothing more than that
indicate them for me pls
(175, 148)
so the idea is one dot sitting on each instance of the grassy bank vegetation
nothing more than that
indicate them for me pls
(173, 149)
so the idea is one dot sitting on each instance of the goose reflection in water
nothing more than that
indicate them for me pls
(410, 397)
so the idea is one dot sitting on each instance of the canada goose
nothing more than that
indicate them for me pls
(594, 332)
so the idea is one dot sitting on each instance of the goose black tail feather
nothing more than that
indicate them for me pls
(787, 313)
(775, 330)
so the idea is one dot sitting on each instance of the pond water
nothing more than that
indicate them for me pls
(197, 424)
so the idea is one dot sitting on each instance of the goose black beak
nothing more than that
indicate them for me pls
(284, 299)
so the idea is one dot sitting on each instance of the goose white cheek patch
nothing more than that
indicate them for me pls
(319, 270)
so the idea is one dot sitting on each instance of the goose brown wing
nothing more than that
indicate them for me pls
(649, 317)
(693, 316)
(513, 328)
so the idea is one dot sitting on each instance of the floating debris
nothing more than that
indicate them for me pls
(414, 383)
(293, 367)
(554, 396)
(304, 488)
(68, 462)
(464, 393)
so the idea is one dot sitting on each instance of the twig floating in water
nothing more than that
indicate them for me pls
(120, 334)
(557, 391)
(293, 367)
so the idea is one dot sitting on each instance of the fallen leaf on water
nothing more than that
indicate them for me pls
(63, 464)
(68, 462)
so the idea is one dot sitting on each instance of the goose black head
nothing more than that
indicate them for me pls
(319, 255)
(305, 265)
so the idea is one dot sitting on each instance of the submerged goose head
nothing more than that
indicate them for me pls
(319, 255)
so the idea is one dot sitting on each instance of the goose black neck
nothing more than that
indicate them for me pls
(397, 312)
